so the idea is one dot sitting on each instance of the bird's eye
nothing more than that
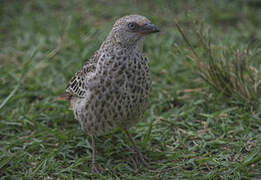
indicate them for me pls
(132, 26)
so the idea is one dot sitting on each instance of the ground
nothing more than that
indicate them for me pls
(190, 131)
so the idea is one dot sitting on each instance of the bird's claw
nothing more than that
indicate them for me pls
(142, 158)
(97, 169)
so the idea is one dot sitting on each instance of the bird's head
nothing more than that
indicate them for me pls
(131, 30)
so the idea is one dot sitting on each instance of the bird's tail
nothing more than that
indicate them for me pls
(63, 97)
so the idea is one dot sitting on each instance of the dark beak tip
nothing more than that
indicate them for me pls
(157, 29)
(150, 28)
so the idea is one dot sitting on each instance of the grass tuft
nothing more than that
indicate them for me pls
(230, 72)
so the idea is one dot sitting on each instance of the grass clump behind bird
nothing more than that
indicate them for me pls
(231, 72)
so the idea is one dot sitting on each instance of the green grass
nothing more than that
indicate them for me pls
(190, 131)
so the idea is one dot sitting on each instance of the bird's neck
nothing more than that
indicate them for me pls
(139, 46)
(111, 43)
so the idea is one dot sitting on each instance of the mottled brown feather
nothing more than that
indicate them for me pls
(77, 85)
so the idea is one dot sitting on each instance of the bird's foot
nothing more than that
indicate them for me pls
(97, 169)
(141, 157)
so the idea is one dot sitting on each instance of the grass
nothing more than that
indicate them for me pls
(230, 72)
(190, 130)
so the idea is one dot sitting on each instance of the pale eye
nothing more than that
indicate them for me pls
(132, 26)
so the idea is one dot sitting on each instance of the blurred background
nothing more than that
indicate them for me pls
(196, 125)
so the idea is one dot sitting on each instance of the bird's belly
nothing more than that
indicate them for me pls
(120, 107)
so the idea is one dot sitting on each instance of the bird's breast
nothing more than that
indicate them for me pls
(124, 74)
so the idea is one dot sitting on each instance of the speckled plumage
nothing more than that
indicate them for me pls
(112, 89)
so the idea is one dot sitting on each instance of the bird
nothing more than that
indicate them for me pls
(112, 89)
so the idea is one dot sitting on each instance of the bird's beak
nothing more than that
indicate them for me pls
(149, 28)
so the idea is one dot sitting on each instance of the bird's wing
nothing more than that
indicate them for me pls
(77, 86)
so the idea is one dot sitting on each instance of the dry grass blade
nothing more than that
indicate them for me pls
(230, 72)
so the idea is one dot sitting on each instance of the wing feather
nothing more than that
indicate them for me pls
(77, 85)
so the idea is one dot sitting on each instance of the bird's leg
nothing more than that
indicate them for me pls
(137, 149)
(95, 167)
